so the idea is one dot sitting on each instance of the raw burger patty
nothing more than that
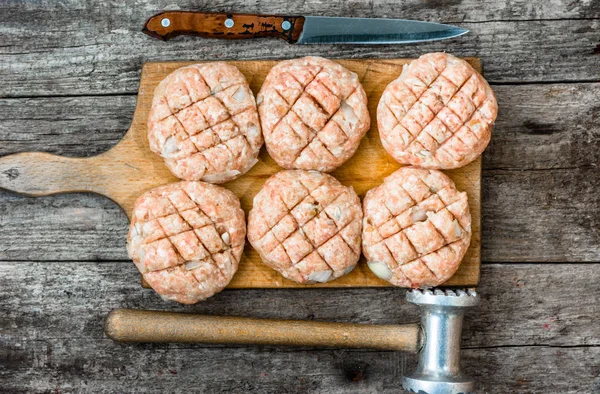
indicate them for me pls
(306, 225)
(313, 113)
(204, 123)
(437, 114)
(417, 228)
(186, 239)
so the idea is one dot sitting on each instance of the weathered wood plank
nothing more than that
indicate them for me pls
(448, 11)
(545, 126)
(549, 215)
(534, 369)
(96, 50)
(546, 216)
(100, 365)
(529, 214)
(520, 339)
(71, 126)
(521, 304)
(61, 227)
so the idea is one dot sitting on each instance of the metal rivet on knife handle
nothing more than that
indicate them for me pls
(229, 23)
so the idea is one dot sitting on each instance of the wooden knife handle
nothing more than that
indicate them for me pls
(169, 24)
(130, 325)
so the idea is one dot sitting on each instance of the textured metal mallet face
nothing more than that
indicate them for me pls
(187, 239)
(313, 113)
(438, 371)
(417, 228)
(306, 225)
(437, 114)
(204, 123)
(459, 298)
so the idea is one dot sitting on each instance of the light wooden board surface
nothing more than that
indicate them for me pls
(129, 169)
(365, 170)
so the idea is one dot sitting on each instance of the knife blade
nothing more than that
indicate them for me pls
(297, 29)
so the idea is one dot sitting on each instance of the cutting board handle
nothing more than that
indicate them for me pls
(41, 174)
(123, 173)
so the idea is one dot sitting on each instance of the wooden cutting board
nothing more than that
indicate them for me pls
(129, 169)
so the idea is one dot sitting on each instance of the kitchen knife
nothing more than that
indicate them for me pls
(297, 29)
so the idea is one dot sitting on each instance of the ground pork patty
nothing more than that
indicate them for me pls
(313, 113)
(204, 123)
(416, 228)
(306, 225)
(437, 114)
(186, 239)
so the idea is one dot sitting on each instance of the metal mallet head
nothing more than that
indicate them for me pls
(442, 313)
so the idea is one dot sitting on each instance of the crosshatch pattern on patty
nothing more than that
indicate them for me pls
(437, 114)
(187, 239)
(204, 123)
(416, 228)
(306, 225)
(313, 113)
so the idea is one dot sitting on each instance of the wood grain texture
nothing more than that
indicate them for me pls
(93, 49)
(129, 169)
(559, 222)
(63, 125)
(80, 365)
(521, 304)
(523, 336)
(152, 326)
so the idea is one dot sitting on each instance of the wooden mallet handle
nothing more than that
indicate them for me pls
(130, 325)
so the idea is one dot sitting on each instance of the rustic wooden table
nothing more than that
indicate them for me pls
(70, 73)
